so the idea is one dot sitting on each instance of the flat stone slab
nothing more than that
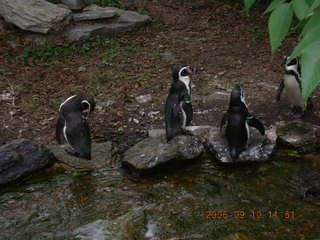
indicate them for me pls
(94, 15)
(300, 136)
(126, 21)
(153, 152)
(101, 157)
(21, 157)
(34, 15)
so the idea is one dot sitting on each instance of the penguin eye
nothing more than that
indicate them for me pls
(184, 73)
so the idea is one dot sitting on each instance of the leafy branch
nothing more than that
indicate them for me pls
(307, 14)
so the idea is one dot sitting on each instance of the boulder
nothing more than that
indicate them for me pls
(297, 135)
(34, 15)
(259, 148)
(126, 21)
(21, 157)
(307, 184)
(94, 15)
(154, 152)
(101, 157)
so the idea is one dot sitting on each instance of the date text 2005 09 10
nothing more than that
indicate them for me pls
(287, 214)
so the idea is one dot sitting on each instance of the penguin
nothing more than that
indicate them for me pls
(178, 106)
(291, 85)
(236, 122)
(72, 126)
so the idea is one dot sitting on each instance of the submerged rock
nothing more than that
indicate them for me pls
(34, 15)
(298, 135)
(101, 157)
(21, 157)
(307, 184)
(153, 152)
(259, 148)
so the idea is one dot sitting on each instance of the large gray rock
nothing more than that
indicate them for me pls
(300, 136)
(126, 21)
(22, 157)
(94, 15)
(307, 184)
(101, 157)
(153, 152)
(34, 15)
(259, 148)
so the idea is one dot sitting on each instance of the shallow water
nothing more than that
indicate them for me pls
(200, 201)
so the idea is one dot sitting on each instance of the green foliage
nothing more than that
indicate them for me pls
(307, 15)
(279, 24)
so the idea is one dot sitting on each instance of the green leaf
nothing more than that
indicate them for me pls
(279, 24)
(312, 23)
(273, 5)
(315, 4)
(310, 65)
(310, 37)
(248, 4)
(300, 8)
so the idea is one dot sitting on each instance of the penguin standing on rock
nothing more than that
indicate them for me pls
(237, 121)
(291, 86)
(178, 107)
(72, 126)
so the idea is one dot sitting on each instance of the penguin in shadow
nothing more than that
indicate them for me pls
(72, 126)
(236, 122)
(291, 86)
(178, 107)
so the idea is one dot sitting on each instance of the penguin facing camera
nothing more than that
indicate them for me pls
(178, 107)
(236, 122)
(291, 87)
(72, 126)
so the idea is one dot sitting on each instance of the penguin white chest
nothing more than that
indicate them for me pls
(186, 82)
(292, 90)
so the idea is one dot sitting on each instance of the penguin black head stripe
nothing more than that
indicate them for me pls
(72, 126)
(292, 66)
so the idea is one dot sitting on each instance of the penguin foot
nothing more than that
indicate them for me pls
(187, 132)
(76, 154)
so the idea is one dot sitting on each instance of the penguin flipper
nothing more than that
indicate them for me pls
(189, 112)
(224, 121)
(79, 138)
(59, 130)
(280, 90)
(256, 123)
(172, 121)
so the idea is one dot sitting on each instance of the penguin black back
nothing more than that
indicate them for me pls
(72, 126)
(178, 107)
(237, 121)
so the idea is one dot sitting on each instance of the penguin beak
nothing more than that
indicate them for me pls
(190, 70)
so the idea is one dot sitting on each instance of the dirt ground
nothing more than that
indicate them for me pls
(215, 36)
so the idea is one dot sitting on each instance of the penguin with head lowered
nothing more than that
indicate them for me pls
(178, 107)
(72, 126)
(236, 122)
(291, 86)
